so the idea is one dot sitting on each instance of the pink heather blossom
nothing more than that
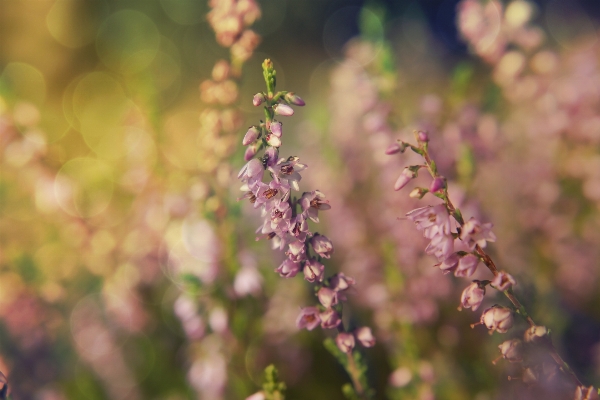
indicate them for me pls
(312, 202)
(404, 178)
(467, 266)
(340, 282)
(257, 396)
(275, 128)
(503, 281)
(345, 342)
(437, 184)
(309, 318)
(329, 319)
(472, 296)
(313, 270)
(511, 350)
(422, 137)
(288, 170)
(394, 148)
(273, 140)
(474, 233)
(296, 251)
(299, 227)
(288, 268)
(283, 109)
(251, 172)
(497, 318)
(365, 336)
(247, 281)
(441, 246)
(327, 297)
(250, 152)
(322, 245)
(258, 99)
(450, 263)
(294, 99)
(251, 135)
(270, 157)
(432, 220)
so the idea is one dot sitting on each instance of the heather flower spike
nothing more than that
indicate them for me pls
(285, 220)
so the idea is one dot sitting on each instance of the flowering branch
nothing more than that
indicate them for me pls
(436, 224)
(286, 223)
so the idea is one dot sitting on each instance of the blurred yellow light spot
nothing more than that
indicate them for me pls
(127, 41)
(103, 242)
(518, 13)
(11, 285)
(56, 261)
(84, 187)
(544, 62)
(179, 145)
(72, 23)
(24, 82)
(511, 64)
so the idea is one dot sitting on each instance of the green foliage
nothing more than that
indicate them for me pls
(273, 388)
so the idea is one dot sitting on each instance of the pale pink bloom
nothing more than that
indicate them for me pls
(288, 170)
(511, 350)
(503, 281)
(345, 342)
(243, 48)
(497, 318)
(432, 220)
(474, 233)
(404, 178)
(250, 152)
(327, 297)
(329, 319)
(257, 396)
(467, 266)
(258, 99)
(309, 318)
(247, 281)
(283, 109)
(322, 245)
(251, 172)
(422, 136)
(450, 263)
(535, 333)
(294, 99)
(394, 148)
(472, 296)
(288, 268)
(365, 336)
(273, 140)
(437, 184)
(340, 282)
(275, 128)
(441, 246)
(312, 202)
(313, 271)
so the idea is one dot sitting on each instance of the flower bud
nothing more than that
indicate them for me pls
(313, 271)
(288, 268)
(467, 266)
(437, 184)
(273, 140)
(283, 109)
(329, 319)
(422, 137)
(394, 148)
(472, 296)
(275, 128)
(345, 342)
(450, 263)
(418, 193)
(511, 350)
(327, 297)
(365, 336)
(340, 282)
(322, 245)
(535, 334)
(251, 135)
(309, 318)
(291, 98)
(250, 152)
(404, 178)
(503, 281)
(497, 318)
(258, 99)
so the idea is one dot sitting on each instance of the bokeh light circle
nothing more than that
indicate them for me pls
(127, 41)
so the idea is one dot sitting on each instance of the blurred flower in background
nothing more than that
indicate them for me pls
(128, 270)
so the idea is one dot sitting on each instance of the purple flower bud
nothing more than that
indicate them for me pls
(322, 245)
(251, 135)
(291, 98)
(250, 153)
(283, 109)
(273, 140)
(535, 334)
(404, 178)
(365, 336)
(258, 99)
(313, 271)
(467, 266)
(275, 128)
(329, 319)
(394, 148)
(288, 268)
(308, 318)
(472, 296)
(340, 282)
(345, 342)
(497, 318)
(503, 281)
(327, 297)
(271, 156)
(511, 350)
(437, 184)
(422, 137)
